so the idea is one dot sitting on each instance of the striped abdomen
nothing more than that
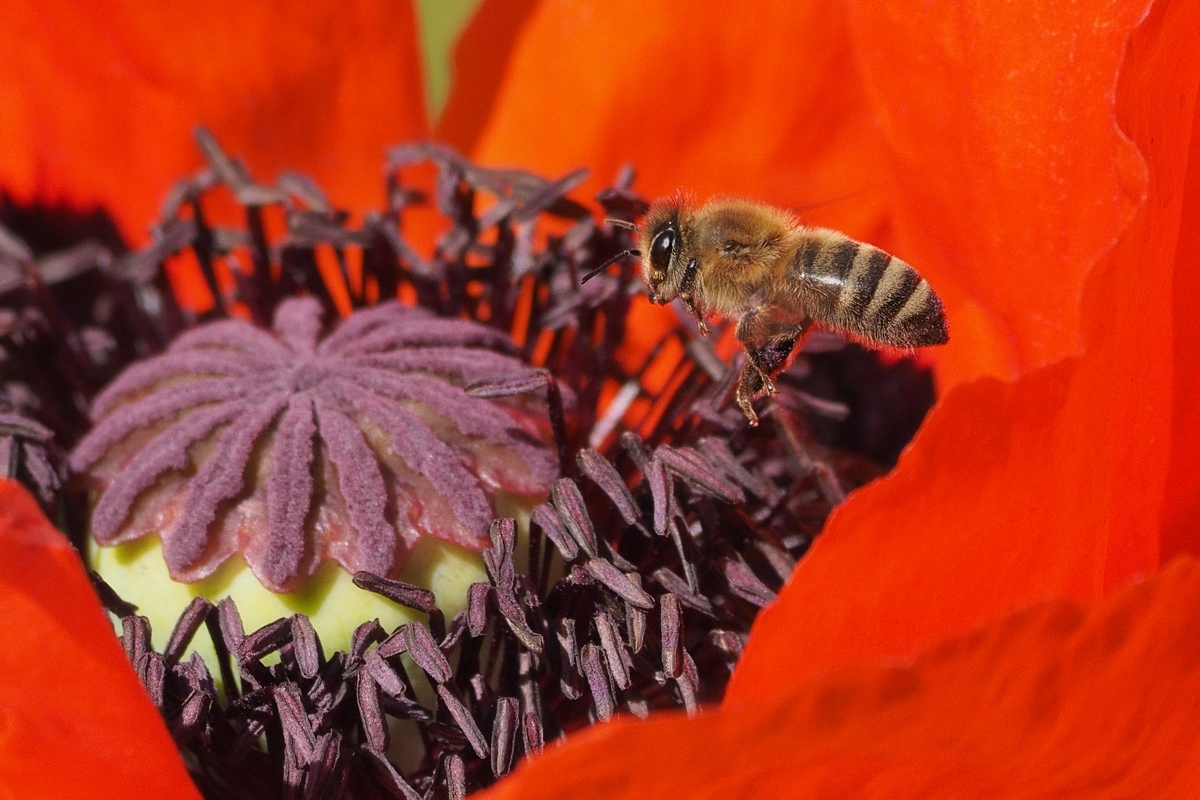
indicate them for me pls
(863, 290)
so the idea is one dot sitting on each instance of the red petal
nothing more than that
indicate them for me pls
(688, 99)
(74, 720)
(1053, 485)
(100, 101)
(1181, 504)
(1052, 702)
(487, 41)
(1009, 180)
(978, 143)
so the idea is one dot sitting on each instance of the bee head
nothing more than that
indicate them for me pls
(662, 249)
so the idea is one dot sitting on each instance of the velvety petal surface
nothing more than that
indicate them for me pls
(74, 720)
(690, 102)
(976, 141)
(1181, 503)
(1008, 178)
(1057, 484)
(1051, 702)
(99, 100)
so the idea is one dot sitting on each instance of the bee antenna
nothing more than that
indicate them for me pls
(620, 223)
(593, 273)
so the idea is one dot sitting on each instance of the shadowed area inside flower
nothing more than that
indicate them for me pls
(1053, 701)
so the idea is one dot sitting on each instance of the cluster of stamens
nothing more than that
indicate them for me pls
(668, 526)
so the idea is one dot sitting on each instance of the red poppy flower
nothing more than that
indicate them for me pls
(1033, 162)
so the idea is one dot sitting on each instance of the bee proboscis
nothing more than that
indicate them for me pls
(753, 262)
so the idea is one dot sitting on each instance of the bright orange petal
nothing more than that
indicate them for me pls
(74, 720)
(1009, 180)
(978, 143)
(99, 100)
(484, 44)
(1052, 702)
(773, 109)
(1051, 486)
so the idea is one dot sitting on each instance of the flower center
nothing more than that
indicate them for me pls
(307, 375)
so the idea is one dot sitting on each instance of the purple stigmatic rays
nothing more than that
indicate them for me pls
(291, 449)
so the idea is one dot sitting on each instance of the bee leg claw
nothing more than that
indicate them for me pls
(753, 383)
(690, 307)
(748, 410)
(745, 400)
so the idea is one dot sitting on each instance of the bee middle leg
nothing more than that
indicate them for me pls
(752, 384)
(755, 380)
(769, 345)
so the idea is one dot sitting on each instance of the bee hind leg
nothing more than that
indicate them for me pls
(769, 347)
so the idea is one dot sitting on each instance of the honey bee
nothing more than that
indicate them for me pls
(751, 261)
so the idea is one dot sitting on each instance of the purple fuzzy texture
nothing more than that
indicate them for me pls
(150, 410)
(289, 494)
(424, 332)
(167, 452)
(231, 335)
(299, 325)
(366, 320)
(292, 450)
(360, 482)
(428, 456)
(217, 480)
(467, 364)
(484, 422)
(146, 374)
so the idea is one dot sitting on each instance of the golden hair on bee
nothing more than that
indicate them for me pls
(756, 263)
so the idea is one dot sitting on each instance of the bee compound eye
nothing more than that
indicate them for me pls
(661, 249)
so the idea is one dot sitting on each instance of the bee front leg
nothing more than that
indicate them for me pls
(691, 309)
(687, 295)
